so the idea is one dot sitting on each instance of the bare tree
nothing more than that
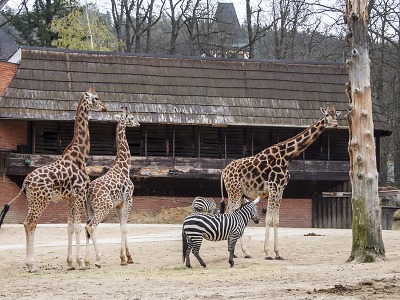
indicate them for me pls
(367, 243)
(117, 12)
(255, 28)
(384, 31)
(143, 21)
(192, 26)
(177, 13)
(152, 19)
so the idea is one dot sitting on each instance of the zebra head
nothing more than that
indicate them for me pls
(254, 211)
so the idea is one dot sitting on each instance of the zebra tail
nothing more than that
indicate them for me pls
(184, 246)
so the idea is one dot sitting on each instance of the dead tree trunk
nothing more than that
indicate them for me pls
(366, 227)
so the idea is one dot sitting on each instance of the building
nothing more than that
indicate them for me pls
(228, 38)
(196, 114)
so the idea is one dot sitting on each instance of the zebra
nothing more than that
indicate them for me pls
(216, 228)
(204, 205)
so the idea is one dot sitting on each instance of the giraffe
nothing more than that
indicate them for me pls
(265, 174)
(114, 188)
(64, 179)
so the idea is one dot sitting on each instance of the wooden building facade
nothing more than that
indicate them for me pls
(196, 115)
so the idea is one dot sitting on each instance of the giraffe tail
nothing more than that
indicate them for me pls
(222, 205)
(4, 212)
(89, 213)
(7, 205)
(87, 232)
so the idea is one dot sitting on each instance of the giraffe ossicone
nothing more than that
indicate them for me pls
(265, 175)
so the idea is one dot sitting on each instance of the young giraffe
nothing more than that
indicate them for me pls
(64, 179)
(113, 188)
(265, 174)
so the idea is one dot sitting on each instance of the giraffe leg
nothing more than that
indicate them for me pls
(70, 230)
(91, 234)
(275, 220)
(244, 248)
(30, 224)
(88, 231)
(74, 226)
(272, 218)
(79, 203)
(128, 206)
(268, 221)
(122, 215)
(30, 229)
(98, 216)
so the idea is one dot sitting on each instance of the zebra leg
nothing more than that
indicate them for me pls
(196, 251)
(187, 248)
(232, 245)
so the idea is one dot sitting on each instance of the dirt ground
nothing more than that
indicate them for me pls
(314, 267)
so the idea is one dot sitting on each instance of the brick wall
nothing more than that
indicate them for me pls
(7, 71)
(12, 134)
(293, 212)
(296, 213)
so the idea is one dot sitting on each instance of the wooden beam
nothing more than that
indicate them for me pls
(182, 167)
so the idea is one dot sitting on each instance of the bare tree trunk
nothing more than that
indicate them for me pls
(366, 227)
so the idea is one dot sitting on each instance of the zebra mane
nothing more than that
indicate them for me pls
(243, 205)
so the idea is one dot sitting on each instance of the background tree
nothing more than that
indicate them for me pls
(33, 23)
(84, 28)
(367, 243)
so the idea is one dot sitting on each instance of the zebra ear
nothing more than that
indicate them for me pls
(256, 200)
(245, 200)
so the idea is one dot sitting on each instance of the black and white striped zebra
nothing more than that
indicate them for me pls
(216, 228)
(204, 205)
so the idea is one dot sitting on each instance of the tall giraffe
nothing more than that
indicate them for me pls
(64, 179)
(265, 174)
(114, 188)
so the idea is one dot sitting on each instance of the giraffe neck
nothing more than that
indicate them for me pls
(123, 157)
(294, 146)
(80, 145)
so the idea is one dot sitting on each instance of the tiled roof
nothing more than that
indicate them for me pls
(179, 90)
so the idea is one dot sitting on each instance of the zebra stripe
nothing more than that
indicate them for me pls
(204, 205)
(216, 228)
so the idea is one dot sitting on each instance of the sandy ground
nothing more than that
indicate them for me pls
(314, 267)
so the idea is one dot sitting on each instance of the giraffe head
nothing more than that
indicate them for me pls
(330, 114)
(127, 119)
(93, 100)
